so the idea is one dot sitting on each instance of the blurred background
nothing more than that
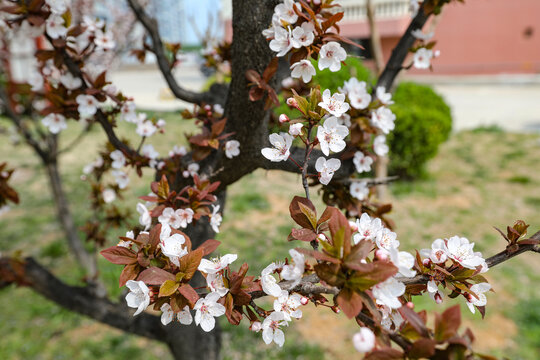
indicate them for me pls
(466, 148)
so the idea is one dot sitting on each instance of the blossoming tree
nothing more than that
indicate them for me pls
(342, 258)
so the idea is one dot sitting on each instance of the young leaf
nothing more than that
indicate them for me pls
(296, 213)
(447, 324)
(168, 288)
(350, 302)
(189, 294)
(190, 262)
(155, 276)
(119, 255)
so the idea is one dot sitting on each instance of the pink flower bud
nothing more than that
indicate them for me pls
(381, 255)
(364, 340)
(256, 326)
(304, 300)
(438, 298)
(426, 262)
(336, 309)
(354, 227)
(283, 118)
(207, 108)
(292, 102)
(410, 305)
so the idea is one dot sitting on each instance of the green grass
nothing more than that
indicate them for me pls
(474, 183)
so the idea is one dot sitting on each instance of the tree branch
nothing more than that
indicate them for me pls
(400, 52)
(151, 28)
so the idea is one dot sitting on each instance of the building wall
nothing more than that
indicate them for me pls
(477, 37)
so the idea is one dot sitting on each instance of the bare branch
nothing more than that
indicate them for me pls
(164, 66)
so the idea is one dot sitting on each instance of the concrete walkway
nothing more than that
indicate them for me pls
(510, 102)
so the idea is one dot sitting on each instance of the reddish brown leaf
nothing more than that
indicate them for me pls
(331, 274)
(422, 349)
(447, 324)
(189, 293)
(386, 353)
(209, 246)
(155, 276)
(318, 255)
(190, 262)
(367, 275)
(303, 234)
(119, 255)
(358, 252)
(296, 213)
(350, 302)
(130, 272)
(414, 320)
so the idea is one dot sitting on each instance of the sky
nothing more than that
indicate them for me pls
(199, 10)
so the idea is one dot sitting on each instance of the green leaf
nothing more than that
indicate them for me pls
(168, 288)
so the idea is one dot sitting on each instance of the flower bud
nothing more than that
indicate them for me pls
(283, 118)
(364, 340)
(410, 305)
(438, 297)
(295, 129)
(207, 108)
(304, 300)
(292, 102)
(426, 262)
(381, 255)
(321, 237)
(354, 227)
(335, 309)
(256, 326)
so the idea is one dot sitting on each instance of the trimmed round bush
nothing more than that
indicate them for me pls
(423, 122)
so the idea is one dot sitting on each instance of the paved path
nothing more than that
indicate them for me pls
(510, 102)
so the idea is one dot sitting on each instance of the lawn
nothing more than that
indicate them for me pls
(479, 179)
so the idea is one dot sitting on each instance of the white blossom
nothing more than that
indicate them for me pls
(121, 178)
(368, 228)
(171, 245)
(414, 7)
(282, 41)
(295, 269)
(379, 145)
(146, 128)
(138, 296)
(303, 35)
(109, 195)
(403, 261)
(326, 169)
(285, 11)
(359, 190)
(268, 282)
(54, 122)
(118, 159)
(178, 151)
(35, 80)
(216, 284)
(215, 218)
(303, 69)
(271, 329)
(460, 250)
(232, 148)
(88, 105)
(383, 96)
(104, 40)
(331, 56)
(95, 164)
(149, 151)
(437, 253)
(176, 218)
(55, 26)
(57, 6)
(144, 219)
(127, 112)
(331, 136)
(184, 317)
(383, 118)
(362, 162)
(386, 239)
(217, 264)
(167, 314)
(280, 152)
(206, 309)
(422, 58)
(364, 340)
(334, 104)
(388, 293)
(296, 129)
(70, 82)
(288, 305)
(418, 34)
(357, 93)
(434, 293)
(481, 299)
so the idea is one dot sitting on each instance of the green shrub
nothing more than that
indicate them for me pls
(333, 80)
(423, 122)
